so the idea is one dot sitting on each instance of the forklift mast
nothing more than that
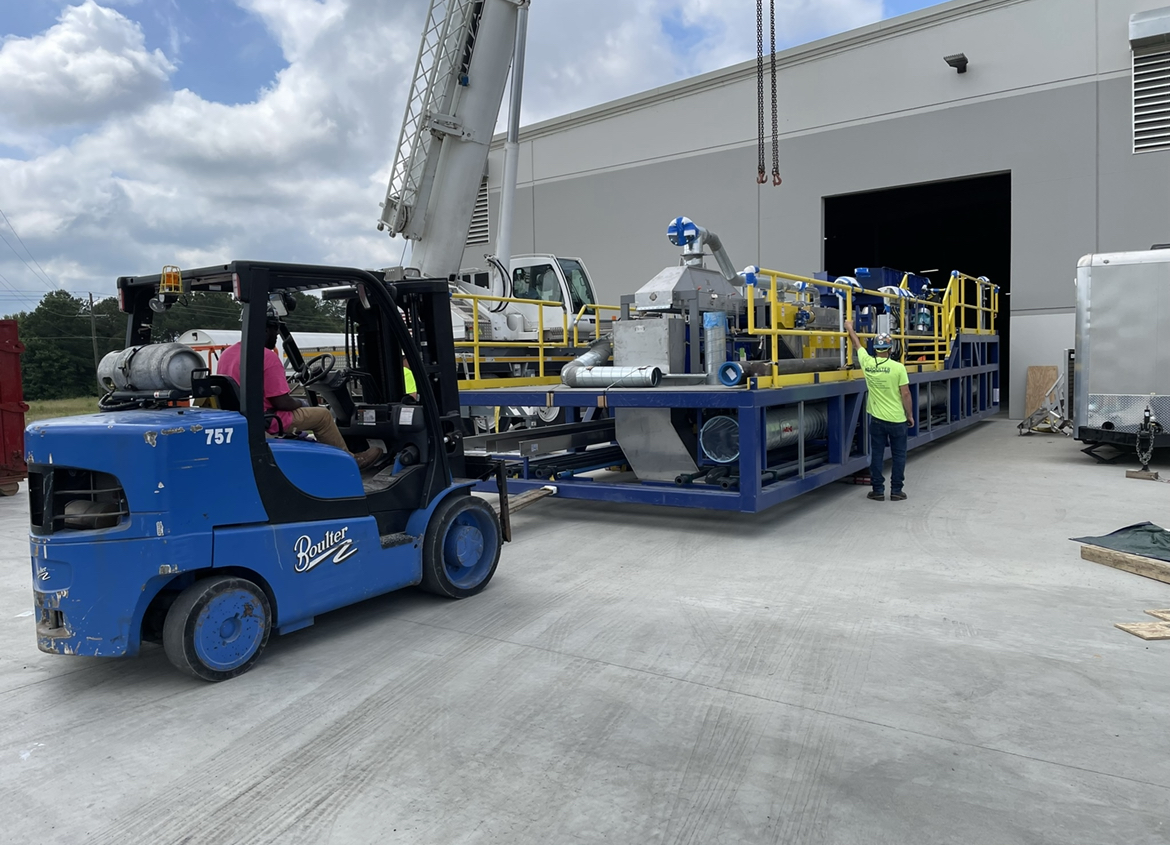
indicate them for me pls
(407, 320)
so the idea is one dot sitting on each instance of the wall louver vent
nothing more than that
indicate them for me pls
(1149, 37)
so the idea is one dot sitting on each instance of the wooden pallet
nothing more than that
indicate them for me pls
(1146, 630)
(1147, 567)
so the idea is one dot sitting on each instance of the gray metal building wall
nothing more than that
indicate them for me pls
(1047, 97)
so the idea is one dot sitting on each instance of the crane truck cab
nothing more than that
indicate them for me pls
(191, 525)
(564, 283)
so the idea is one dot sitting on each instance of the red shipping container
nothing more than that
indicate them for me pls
(12, 407)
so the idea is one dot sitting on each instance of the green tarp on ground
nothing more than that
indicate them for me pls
(1144, 539)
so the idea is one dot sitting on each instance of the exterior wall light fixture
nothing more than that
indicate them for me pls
(958, 61)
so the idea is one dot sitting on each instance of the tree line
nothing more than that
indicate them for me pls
(64, 337)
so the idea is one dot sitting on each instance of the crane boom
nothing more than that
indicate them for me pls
(455, 96)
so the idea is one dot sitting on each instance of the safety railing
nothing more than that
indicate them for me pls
(538, 351)
(925, 328)
(970, 305)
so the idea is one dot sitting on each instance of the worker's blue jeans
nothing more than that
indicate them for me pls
(881, 433)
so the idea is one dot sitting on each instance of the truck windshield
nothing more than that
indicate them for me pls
(579, 288)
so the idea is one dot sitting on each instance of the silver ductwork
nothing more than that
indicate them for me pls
(711, 240)
(613, 377)
(719, 437)
(588, 370)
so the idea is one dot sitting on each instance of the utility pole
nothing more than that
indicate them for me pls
(93, 332)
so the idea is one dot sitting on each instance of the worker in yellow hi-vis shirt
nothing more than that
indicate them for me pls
(891, 415)
(408, 379)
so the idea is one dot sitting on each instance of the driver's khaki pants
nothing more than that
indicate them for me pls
(319, 421)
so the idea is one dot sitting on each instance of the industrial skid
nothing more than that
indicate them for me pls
(738, 391)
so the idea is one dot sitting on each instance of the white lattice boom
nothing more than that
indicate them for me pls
(455, 95)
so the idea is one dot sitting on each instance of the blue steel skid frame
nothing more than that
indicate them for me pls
(970, 382)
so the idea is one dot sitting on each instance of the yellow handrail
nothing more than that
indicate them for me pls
(951, 316)
(539, 351)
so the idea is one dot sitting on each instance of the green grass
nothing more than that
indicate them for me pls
(47, 409)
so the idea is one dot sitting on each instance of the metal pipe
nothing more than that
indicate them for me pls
(841, 325)
(719, 436)
(925, 402)
(777, 472)
(688, 477)
(732, 373)
(717, 474)
(512, 145)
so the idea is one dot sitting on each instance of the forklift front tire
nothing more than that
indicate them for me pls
(217, 628)
(461, 548)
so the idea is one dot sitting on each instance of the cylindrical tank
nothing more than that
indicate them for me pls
(719, 436)
(156, 366)
(714, 343)
(937, 399)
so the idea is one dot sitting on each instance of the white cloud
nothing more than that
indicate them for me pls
(151, 176)
(583, 54)
(91, 65)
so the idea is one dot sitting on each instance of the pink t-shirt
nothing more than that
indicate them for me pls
(275, 383)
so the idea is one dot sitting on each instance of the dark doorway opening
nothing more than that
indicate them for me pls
(962, 224)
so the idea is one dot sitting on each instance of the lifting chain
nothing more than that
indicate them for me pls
(775, 124)
(761, 176)
(762, 173)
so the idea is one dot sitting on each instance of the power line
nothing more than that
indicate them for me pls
(17, 293)
(45, 275)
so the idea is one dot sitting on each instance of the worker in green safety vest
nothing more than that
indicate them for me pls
(891, 413)
(411, 387)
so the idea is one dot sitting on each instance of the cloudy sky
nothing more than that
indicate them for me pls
(137, 133)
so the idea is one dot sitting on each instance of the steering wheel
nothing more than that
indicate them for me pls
(317, 368)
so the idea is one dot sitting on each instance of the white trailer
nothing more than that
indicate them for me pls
(209, 343)
(1121, 383)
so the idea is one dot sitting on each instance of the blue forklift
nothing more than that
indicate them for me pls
(175, 516)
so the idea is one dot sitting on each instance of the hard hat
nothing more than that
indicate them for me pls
(883, 341)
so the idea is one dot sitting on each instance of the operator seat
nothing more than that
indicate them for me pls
(221, 391)
(550, 287)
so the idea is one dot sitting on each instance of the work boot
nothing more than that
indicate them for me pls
(876, 496)
(898, 497)
(369, 457)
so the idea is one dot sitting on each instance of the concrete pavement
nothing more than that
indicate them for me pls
(835, 670)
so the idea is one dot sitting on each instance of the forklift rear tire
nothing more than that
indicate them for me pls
(461, 548)
(10, 489)
(217, 628)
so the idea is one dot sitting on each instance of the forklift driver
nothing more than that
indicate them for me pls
(293, 415)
